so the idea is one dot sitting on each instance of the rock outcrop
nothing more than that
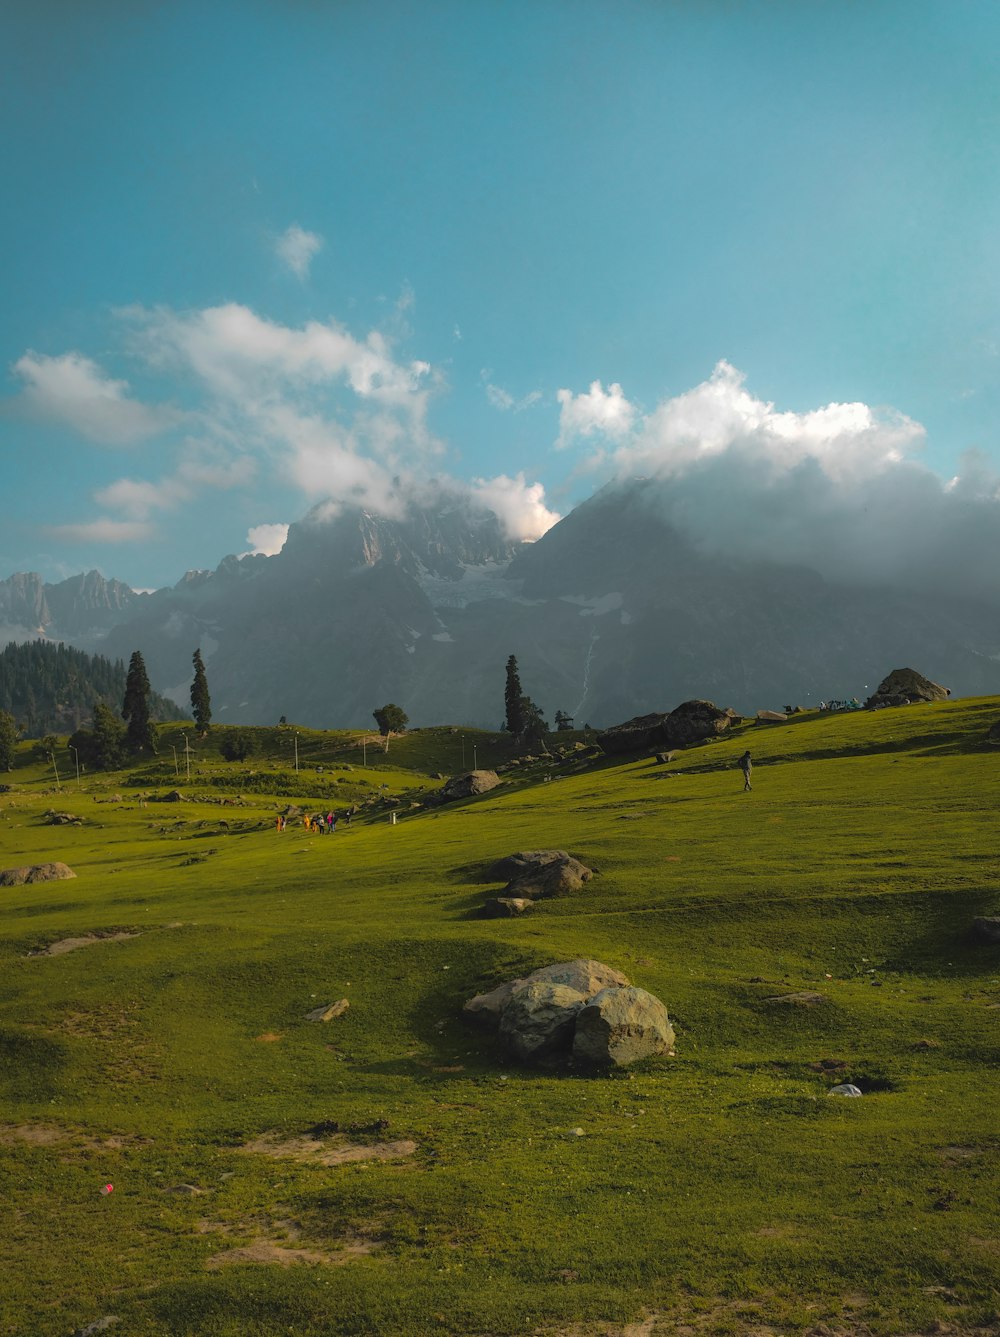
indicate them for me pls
(39, 872)
(505, 907)
(467, 786)
(558, 877)
(904, 686)
(691, 722)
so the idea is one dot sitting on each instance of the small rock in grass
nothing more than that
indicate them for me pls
(506, 907)
(804, 998)
(845, 1089)
(328, 1011)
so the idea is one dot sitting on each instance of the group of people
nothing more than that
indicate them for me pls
(314, 823)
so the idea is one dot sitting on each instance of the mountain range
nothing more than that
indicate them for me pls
(614, 612)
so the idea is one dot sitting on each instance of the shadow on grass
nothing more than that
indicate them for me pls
(31, 1065)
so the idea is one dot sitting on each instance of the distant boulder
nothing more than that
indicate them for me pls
(691, 722)
(694, 721)
(53, 818)
(513, 865)
(903, 686)
(639, 734)
(468, 785)
(558, 877)
(770, 717)
(620, 1026)
(39, 872)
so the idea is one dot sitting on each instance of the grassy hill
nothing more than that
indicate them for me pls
(720, 1191)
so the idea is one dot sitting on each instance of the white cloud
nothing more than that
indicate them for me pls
(104, 530)
(840, 489)
(73, 390)
(202, 467)
(296, 248)
(520, 506)
(267, 539)
(720, 415)
(598, 412)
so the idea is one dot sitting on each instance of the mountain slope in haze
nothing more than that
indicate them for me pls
(612, 613)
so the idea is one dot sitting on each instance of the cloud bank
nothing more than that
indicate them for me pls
(840, 489)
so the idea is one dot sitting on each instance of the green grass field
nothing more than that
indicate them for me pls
(720, 1191)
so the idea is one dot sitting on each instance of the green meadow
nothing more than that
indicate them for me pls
(718, 1191)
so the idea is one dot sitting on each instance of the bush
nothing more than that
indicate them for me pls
(237, 745)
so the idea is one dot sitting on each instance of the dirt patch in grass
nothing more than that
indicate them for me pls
(335, 1150)
(278, 1242)
(269, 1037)
(48, 1135)
(65, 945)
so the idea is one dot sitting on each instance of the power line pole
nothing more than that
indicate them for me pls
(296, 752)
(177, 773)
(77, 755)
(187, 757)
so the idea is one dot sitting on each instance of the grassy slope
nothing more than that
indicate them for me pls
(721, 1183)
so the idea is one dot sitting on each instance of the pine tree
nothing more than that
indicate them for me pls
(8, 740)
(108, 738)
(201, 704)
(512, 698)
(533, 726)
(141, 732)
(563, 721)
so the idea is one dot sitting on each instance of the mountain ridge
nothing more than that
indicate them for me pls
(612, 613)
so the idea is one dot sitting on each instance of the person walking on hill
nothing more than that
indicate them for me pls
(746, 766)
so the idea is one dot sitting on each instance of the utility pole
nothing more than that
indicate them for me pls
(463, 752)
(52, 755)
(296, 752)
(475, 764)
(177, 773)
(77, 755)
(187, 757)
(364, 750)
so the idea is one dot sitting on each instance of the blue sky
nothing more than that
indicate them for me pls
(260, 255)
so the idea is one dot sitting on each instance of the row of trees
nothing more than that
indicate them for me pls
(106, 743)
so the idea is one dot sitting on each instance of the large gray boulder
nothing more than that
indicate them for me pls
(690, 722)
(468, 785)
(559, 877)
(539, 1018)
(619, 1026)
(906, 685)
(583, 975)
(39, 872)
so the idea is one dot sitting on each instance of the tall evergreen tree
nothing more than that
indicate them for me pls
(141, 732)
(8, 739)
(512, 698)
(106, 740)
(201, 705)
